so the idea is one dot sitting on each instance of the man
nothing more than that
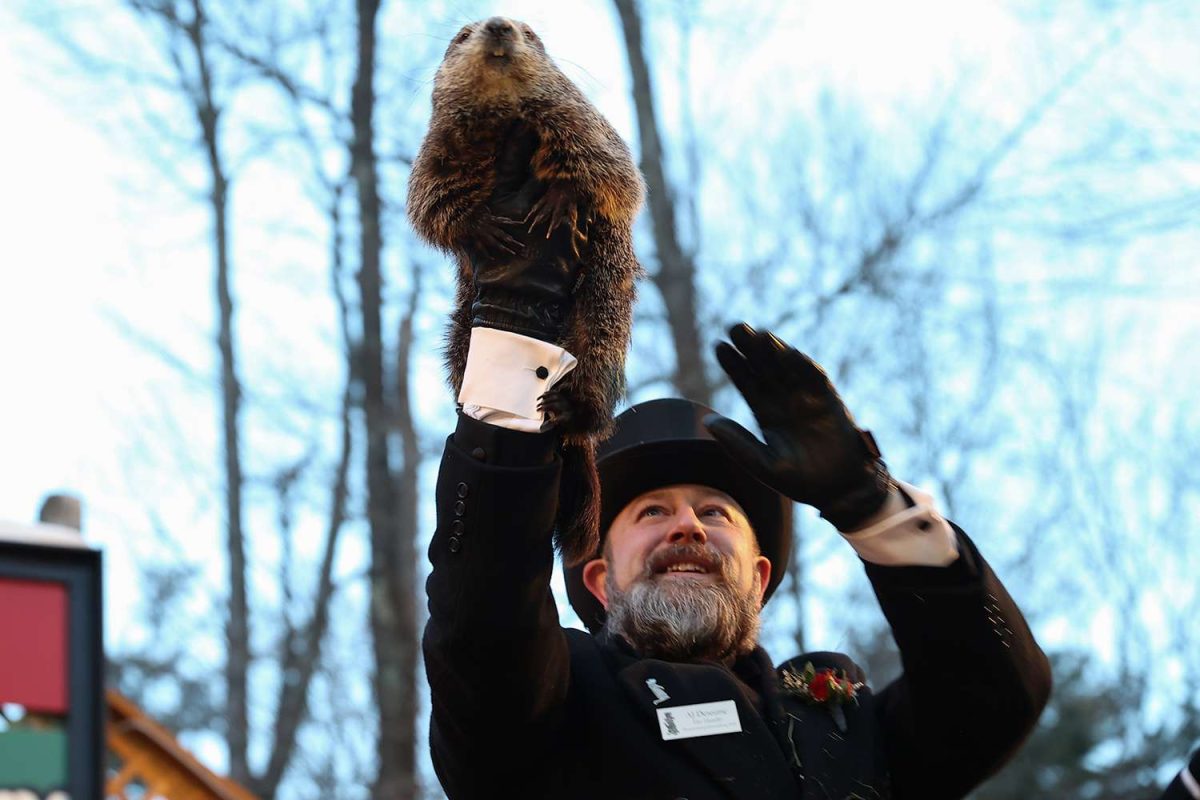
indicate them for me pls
(670, 695)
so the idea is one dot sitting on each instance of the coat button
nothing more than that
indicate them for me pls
(542, 373)
(455, 544)
(479, 454)
(456, 527)
(460, 508)
(462, 490)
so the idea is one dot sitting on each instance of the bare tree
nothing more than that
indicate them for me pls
(300, 647)
(382, 387)
(193, 47)
(675, 277)
(391, 508)
(185, 27)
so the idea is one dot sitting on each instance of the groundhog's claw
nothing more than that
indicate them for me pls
(556, 207)
(492, 240)
(580, 236)
(557, 407)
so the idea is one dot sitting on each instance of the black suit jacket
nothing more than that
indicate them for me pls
(524, 706)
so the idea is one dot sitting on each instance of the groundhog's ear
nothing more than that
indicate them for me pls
(459, 39)
(533, 37)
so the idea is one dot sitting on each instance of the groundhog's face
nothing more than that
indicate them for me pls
(492, 62)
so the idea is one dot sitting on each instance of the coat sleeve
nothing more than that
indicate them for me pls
(974, 680)
(495, 656)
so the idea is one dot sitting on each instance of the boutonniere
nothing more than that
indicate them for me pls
(822, 687)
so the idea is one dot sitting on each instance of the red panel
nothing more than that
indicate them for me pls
(33, 645)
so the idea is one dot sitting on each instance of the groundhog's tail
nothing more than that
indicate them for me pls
(577, 526)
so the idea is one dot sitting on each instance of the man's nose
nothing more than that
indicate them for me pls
(686, 528)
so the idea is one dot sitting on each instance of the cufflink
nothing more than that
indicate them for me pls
(922, 525)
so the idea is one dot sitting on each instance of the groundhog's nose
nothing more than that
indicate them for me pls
(499, 27)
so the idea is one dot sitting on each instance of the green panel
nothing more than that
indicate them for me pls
(33, 759)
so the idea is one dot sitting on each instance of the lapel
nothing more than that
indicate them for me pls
(834, 763)
(747, 765)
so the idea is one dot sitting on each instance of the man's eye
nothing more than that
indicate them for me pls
(714, 511)
(649, 511)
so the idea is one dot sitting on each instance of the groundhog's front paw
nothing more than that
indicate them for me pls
(559, 206)
(557, 407)
(490, 237)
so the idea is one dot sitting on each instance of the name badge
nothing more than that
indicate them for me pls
(699, 719)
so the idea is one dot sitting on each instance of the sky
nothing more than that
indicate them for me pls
(92, 237)
(61, 364)
(80, 247)
(60, 234)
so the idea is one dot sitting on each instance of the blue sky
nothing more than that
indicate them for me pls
(85, 242)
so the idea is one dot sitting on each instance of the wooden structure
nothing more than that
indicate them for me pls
(150, 759)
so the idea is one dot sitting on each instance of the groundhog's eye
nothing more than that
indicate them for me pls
(463, 35)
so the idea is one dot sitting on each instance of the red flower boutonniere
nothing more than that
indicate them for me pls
(822, 687)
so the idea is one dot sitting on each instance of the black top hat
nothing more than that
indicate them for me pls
(662, 443)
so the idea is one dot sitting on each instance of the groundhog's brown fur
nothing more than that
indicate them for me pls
(509, 130)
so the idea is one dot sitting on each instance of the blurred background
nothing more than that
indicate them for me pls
(220, 331)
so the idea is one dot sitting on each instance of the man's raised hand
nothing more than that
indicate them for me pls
(814, 452)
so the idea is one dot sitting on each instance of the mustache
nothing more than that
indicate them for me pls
(685, 621)
(702, 554)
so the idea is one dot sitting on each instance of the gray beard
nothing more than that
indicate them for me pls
(678, 620)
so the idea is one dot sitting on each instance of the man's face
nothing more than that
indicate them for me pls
(681, 564)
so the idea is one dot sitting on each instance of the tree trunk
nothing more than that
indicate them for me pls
(676, 274)
(237, 626)
(405, 636)
(392, 625)
(300, 658)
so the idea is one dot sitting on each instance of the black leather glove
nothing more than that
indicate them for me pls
(527, 294)
(524, 274)
(814, 453)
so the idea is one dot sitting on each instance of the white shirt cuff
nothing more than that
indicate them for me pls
(913, 537)
(506, 374)
(1189, 782)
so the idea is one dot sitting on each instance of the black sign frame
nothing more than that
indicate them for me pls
(78, 569)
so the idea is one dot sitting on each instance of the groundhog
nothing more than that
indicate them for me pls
(518, 164)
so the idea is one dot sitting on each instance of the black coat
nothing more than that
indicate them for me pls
(524, 706)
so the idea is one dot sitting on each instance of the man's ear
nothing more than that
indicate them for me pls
(762, 565)
(595, 575)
